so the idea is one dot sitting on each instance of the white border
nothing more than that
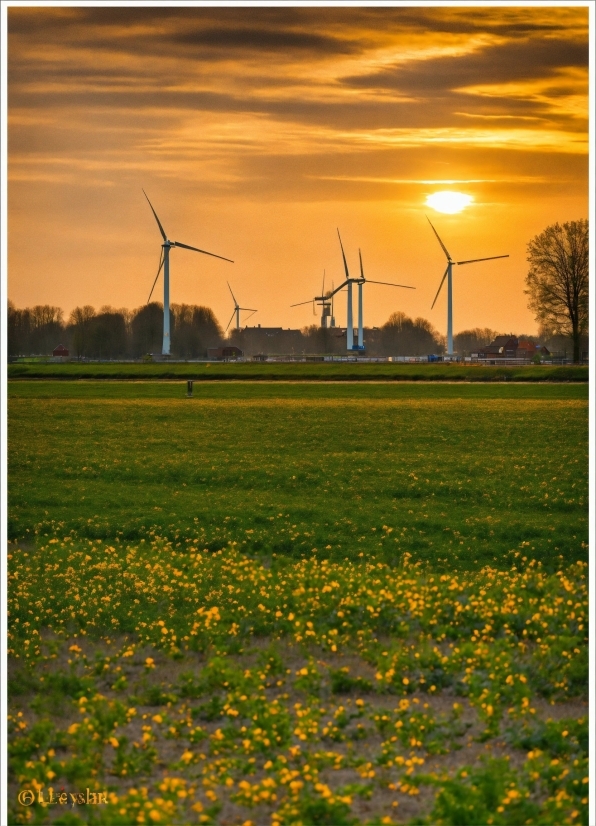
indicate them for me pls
(4, 5)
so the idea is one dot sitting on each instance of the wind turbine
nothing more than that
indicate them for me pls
(448, 274)
(324, 301)
(164, 262)
(360, 282)
(237, 309)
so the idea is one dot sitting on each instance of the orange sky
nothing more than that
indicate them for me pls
(256, 132)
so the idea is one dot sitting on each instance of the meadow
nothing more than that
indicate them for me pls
(290, 603)
(298, 371)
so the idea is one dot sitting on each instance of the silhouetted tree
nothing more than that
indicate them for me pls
(468, 341)
(107, 334)
(147, 329)
(402, 336)
(18, 325)
(558, 280)
(194, 329)
(36, 330)
(79, 322)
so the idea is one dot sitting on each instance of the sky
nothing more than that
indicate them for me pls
(257, 133)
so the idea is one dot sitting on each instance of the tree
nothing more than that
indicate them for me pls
(402, 336)
(108, 334)
(468, 341)
(147, 329)
(194, 330)
(557, 280)
(79, 320)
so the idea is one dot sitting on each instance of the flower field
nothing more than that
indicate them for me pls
(349, 606)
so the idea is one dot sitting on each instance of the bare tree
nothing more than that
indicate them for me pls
(557, 281)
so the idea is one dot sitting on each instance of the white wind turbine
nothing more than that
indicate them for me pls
(360, 281)
(237, 309)
(448, 274)
(326, 299)
(164, 262)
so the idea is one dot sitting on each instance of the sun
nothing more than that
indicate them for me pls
(449, 202)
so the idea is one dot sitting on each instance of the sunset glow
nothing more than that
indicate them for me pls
(257, 132)
(449, 202)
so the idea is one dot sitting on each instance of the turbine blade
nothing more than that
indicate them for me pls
(161, 229)
(230, 321)
(473, 260)
(444, 248)
(248, 310)
(440, 285)
(390, 284)
(343, 255)
(249, 315)
(301, 303)
(362, 268)
(232, 294)
(161, 257)
(323, 290)
(196, 249)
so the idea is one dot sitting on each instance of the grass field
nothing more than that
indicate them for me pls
(299, 603)
(334, 371)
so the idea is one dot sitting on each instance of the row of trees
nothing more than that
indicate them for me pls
(114, 334)
(111, 333)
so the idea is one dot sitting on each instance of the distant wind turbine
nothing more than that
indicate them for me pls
(448, 274)
(164, 262)
(324, 302)
(237, 309)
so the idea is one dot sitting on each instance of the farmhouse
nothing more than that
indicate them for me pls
(509, 347)
(502, 347)
(60, 352)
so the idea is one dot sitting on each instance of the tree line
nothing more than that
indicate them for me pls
(120, 333)
(111, 333)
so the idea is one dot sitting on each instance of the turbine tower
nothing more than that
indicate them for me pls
(164, 262)
(237, 309)
(448, 274)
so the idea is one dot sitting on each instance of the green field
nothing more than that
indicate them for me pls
(317, 371)
(299, 603)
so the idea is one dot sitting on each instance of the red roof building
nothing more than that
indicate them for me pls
(60, 352)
